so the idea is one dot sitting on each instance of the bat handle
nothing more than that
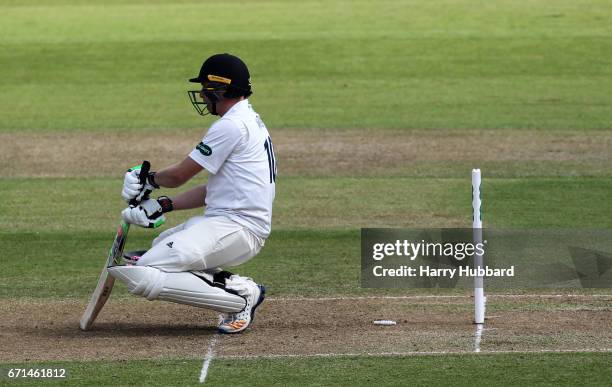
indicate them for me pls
(144, 172)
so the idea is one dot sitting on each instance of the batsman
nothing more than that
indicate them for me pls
(188, 264)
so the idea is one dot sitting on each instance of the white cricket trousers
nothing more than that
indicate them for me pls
(202, 243)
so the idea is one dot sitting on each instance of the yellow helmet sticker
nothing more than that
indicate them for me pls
(216, 78)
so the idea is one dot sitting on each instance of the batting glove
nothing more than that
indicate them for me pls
(133, 189)
(149, 213)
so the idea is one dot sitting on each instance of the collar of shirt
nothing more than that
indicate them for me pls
(239, 106)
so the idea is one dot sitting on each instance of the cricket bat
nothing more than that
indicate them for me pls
(106, 282)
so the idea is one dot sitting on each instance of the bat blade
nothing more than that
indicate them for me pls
(105, 282)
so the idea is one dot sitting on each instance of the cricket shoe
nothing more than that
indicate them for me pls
(238, 322)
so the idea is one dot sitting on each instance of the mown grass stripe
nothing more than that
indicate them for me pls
(446, 64)
(515, 369)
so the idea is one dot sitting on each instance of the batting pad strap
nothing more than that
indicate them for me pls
(218, 279)
(221, 276)
(182, 288)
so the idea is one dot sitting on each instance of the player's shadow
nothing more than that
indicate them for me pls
(114, 330)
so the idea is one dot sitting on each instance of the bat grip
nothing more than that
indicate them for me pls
(144, 173)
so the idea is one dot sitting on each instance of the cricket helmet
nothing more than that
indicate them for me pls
(222, 76)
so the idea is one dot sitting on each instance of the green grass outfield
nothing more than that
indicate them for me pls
(78, 66)
(315, 64)
(571, 369)
(60, 257)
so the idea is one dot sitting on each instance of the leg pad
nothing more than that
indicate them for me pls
(183, 288)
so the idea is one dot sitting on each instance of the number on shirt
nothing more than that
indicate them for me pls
(271, 161)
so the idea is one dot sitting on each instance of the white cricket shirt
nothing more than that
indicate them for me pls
(238, 153)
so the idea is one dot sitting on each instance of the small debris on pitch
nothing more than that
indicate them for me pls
(384, 322)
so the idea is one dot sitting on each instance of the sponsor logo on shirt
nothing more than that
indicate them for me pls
(204, 149)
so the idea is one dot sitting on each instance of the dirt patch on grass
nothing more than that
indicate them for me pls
(363, 152)
(137, 329)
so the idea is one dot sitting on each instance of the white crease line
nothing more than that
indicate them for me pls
(414, 353)
(358, 298)
(416, 297)
(208, 358)
(549, 295)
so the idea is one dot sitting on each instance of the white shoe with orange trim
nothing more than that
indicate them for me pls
(238, 322)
